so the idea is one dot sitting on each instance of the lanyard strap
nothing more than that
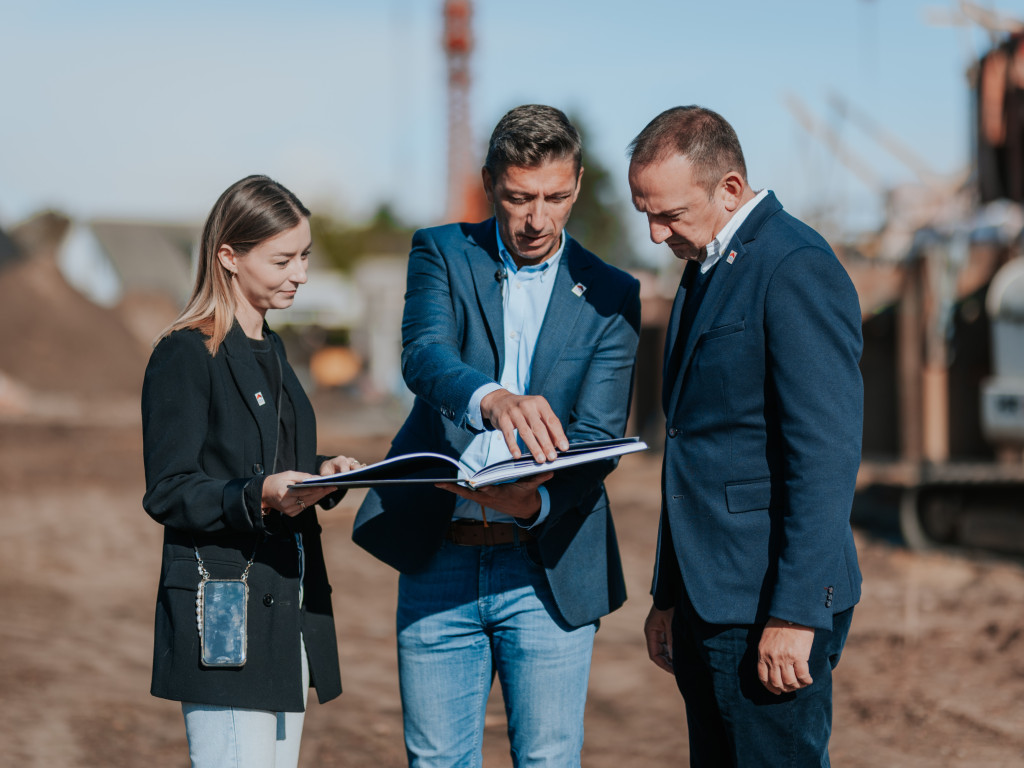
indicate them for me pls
(206, 574)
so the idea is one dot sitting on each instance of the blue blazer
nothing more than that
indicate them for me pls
(764, 418)
(453, 342)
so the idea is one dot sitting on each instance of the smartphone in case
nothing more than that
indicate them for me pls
(224, 622)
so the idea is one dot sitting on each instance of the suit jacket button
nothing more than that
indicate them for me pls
(268, 599)
(257, 469)
(672, 431)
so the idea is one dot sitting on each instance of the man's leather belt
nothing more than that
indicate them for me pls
(473, 533)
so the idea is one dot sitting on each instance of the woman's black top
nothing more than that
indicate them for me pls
(271, 366)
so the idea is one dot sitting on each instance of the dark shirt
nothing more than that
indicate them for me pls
(275, 396)
(271, 367)
(696, 284)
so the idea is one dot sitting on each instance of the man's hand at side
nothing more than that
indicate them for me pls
(782, 656)
(538, 426)
(658, 632)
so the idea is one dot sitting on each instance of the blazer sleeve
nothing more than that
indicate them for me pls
(602, 404)
(813, 340)
(176, 405)
(432, 331)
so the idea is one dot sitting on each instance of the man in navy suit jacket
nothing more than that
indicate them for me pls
(756, 574)
(511, 330)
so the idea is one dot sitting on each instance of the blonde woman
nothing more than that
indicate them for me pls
(227, 429)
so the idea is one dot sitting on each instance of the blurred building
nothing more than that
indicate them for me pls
(339, 329)
(142, 269)
(381, 284)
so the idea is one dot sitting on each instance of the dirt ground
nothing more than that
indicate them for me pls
(933, 674)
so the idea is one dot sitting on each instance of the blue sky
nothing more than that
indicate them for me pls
(151, 109)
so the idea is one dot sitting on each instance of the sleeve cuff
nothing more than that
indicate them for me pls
(545, 508)
(473, 416)
(253, 496)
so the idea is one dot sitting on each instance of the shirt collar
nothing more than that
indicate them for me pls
(717, 247)
(541, 269)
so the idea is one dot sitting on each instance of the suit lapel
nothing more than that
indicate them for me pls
(670, 372)
(305, 429)
(727, 272)
(250, 381)
(718, 289)
(484, 267)
(564, 308)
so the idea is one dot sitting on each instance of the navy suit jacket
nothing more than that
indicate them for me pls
(764, 417)
(453, 343)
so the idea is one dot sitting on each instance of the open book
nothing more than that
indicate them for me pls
(437, 468)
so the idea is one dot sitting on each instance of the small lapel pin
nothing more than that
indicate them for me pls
(579, 288)
(731, 257)
(259, 398)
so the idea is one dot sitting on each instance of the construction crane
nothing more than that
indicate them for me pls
(968, 14)
(943, 365)
(931, 200)
(465, 199)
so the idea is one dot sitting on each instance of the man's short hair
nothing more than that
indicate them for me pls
(700, 135)
(531, 135)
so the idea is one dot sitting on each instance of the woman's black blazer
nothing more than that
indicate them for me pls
(209, 426)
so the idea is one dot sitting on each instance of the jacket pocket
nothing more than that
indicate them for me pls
(723, 330)
(182, 574)
(748, 495)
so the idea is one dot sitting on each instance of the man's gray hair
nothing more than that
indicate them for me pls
(700, 135)
(529, 136)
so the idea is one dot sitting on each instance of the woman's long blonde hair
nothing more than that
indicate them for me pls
(247, 213)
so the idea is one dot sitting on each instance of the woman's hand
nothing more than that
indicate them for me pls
(277, 493)
(340, 464)
(290, 501)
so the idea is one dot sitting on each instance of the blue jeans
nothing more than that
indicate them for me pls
(232, 737)
(732, 719)
(474, 611)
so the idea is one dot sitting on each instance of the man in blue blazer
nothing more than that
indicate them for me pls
(514, 338)
(756, 574)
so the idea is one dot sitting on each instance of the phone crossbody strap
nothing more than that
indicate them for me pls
(205, 577)
(205, 574)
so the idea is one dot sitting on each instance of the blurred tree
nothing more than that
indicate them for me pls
(342, 244)
(598, 220)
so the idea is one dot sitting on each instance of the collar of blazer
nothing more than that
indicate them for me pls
(563, 309)
(757, 218)
(726, 272)
(250, 382)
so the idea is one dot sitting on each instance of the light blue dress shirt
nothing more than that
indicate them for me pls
(525, 293)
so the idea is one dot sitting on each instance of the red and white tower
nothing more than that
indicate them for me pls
(465, 200)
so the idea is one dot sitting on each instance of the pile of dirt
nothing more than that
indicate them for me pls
(52, 338)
